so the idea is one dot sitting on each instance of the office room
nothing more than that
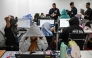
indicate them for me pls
(46, 28)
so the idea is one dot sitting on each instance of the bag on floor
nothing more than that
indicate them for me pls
(75, 50)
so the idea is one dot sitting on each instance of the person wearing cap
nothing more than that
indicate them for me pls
(54, 12)
(10, 34)
(33, 40)
(73, 10)
(73, 28)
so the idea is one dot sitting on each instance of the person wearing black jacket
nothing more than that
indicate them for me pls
(74, 28)
(12, 39)
(73, 10)
(54, 12)
(88, 13)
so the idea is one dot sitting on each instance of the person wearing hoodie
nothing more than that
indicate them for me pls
(47, 29)
(73, 28)
(73, 10)
(33, 40)
(64, 14)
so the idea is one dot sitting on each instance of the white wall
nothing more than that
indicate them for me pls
(22, 7)
(7, 7)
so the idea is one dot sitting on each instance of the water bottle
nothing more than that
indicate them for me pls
(63, 50)
(69, 53)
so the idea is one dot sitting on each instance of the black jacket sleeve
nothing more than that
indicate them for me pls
(58, 12)
(75, 12)
(50, 12)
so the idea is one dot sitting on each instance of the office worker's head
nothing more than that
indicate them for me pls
(42, 13)
(88, 5)
(33, 46)
(74, 21)
(54, 5)
(72, 4)
(36, 15)
(12, 21)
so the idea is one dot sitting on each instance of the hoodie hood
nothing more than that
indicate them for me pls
(34, 31)
(46, 29)
(63, 12)
(74, 21)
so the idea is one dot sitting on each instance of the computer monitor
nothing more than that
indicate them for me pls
(42, 21)
(23, 23)
(64, 23)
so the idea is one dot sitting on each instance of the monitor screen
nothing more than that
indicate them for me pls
(42, 21)
(23, 23)
(64, 22)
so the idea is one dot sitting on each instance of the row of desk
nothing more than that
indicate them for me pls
(85, 30)
(84, 54)
(4, 54)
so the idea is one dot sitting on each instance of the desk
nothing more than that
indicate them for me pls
(84, 54)
(2, 52)
(86, 31)
(90, 51)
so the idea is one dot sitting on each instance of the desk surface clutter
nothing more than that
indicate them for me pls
(84, 54)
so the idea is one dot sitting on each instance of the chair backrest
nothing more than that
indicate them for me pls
(79, 38)
(2, 39)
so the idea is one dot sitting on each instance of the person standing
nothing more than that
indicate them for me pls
(54, 12)
(73, 10)
(88, 13)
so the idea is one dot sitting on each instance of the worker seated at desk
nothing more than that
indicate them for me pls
(64, 14)
(33, 40)
(47, 29)
(74, 28)
(11, 32)
(42, 15)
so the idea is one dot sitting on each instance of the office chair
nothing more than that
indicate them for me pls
(79, 38)
(2, 43)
